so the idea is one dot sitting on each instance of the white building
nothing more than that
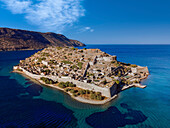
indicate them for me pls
(134, 70)
(109, 59)
(45, 63)
(15, 67)
(35, 60)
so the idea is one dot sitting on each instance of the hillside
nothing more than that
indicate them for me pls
(16, 39)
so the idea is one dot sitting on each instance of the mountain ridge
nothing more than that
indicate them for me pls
(17, 39)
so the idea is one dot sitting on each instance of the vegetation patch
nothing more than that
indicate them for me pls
(66, 84)
(19, 70)
(80, 64)
(133, 65)
(66, 62)
(47, 80)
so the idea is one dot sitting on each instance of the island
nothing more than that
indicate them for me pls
(88, 75)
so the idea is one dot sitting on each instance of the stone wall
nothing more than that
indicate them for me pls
(109, 59)
(113, 89)
(108, 92)
(142, 69)
(85, 71)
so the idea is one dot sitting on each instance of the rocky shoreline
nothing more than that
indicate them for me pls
(80, 99)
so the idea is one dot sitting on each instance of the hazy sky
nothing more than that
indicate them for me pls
(92, 21)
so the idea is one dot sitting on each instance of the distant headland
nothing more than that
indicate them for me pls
(88, 75)
(16, 39)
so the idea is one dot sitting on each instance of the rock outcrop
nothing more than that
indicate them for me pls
(16, 39)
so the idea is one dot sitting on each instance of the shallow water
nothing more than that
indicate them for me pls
(26, 104)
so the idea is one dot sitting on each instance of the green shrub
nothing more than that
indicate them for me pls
(136, 81)
(66, 62)
(45, 54)
(99, 93)
(133, 65)
(99, 97)
(66, 84)
(72, 91)
(67, 89)
(93, 96)
(113, 62)
(104, 82)
(96, 80)
(65, 57)
(19, 70)
(119, 74)
(82, 91)
(117, 82)
(80, 64)
(46, 71)
(69, 53)
(75, 91)
(74, 66)
(71, 84)
(43, 58)
(59, 48)
(87, 91)
(62, 85)
(51, 82)
(92, 92)
(129, 82)
(75, 95)
(47, 80)
(81, 51)
(73, 48)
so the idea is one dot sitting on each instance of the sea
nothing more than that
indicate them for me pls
(25, 104)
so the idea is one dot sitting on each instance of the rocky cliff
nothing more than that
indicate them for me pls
(16, 39)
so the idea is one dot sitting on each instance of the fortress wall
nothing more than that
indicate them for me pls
(30, 74)
(142, 69)
(85, 71)
(92, 87)
(109, 59)
(108, 92)
(113, 90)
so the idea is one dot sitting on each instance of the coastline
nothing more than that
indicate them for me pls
(66, 72)
(79, 99)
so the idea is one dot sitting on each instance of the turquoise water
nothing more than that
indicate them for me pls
(26, 104)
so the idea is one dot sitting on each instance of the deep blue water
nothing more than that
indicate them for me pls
(27, 104)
